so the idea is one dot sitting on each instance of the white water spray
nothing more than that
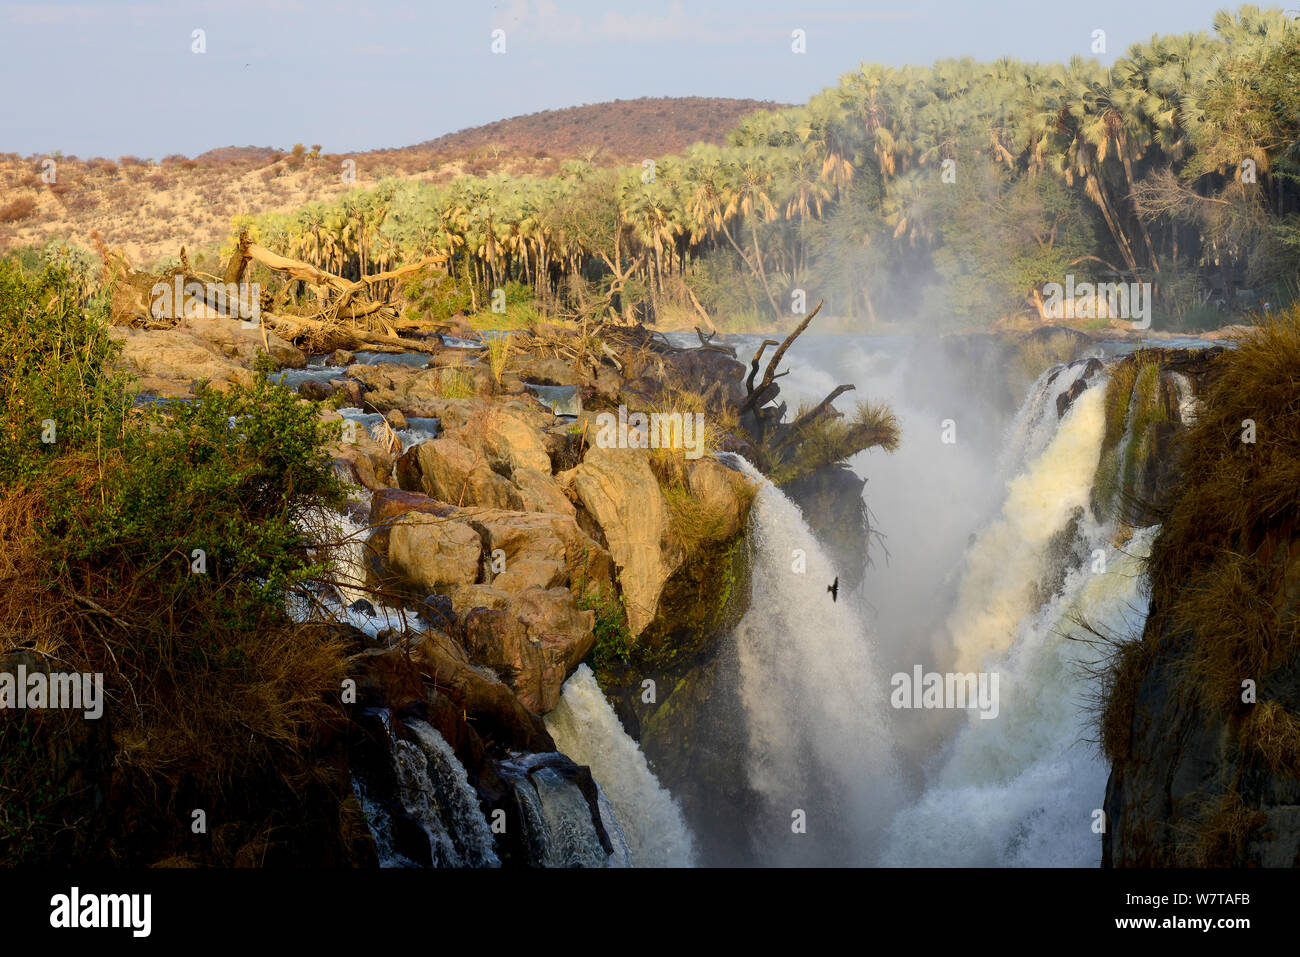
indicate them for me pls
(586, 729)
(818, 729)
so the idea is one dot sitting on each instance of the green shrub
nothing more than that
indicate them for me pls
(613, 646)
(210, 687)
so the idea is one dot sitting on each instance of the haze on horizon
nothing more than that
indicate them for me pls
(114, 77)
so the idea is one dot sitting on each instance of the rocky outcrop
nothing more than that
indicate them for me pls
(170, 362)
(619, 490)
(1201, 718)
(535, 642)
(513, 580)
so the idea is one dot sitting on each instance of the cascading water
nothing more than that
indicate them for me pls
(1015, 563)
(585, 728)
(818, 737)
(435, 791)
(1023, 789)
(1008, 556)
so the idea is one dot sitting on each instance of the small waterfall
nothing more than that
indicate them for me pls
(585, 728)
(560, 829)
(819, 739)
(347, 601)
(571, 839)
(435, 791)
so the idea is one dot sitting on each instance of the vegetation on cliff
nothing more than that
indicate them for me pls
(1212, 678)
(156, 546)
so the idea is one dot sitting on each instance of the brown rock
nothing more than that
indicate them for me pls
(433, 553)
(498, 714)
(548, 545)
(620, 492)
(450, 471)
(533, 644)
(541, 492)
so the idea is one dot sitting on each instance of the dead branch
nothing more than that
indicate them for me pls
(753, 365)
(769, 375)
(706, 342)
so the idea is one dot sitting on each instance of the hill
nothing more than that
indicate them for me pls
(149, 208)
(623, 129)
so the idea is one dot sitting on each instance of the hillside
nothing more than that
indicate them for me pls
(624, 129)
(149, 208)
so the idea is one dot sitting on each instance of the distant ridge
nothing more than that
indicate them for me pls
(648, 126)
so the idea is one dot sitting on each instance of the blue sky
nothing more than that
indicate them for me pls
(110, 78)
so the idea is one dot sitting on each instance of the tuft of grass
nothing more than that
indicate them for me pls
(452, 382)
(834, 438)
(498, 350)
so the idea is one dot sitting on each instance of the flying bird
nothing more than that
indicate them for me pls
(834, 589)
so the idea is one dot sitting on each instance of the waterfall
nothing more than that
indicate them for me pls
(586, 729)
(1008, 556)
(1023, 789)
(818, 733)
(435, 791)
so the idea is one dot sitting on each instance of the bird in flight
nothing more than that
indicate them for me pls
(834, 589)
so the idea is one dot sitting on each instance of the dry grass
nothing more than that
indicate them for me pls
(1224, 574)
(498, 350)
(453, 382)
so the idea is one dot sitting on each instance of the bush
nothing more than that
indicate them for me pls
(212, 692)
(20, 209)
(437, 297)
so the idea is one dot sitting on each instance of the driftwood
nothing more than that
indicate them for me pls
(342, 300)
(296, 327)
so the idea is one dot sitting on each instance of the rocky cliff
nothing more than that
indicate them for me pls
(1201, 714)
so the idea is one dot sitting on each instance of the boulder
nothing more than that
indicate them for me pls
(539, 547)
(170, 362)
(433, 553)
(534, 643)
(447, 469)
(231, 338)
(498, 714)
(617, 488)
(549, 370)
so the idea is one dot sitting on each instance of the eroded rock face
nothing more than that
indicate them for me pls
(618, 489)
(533, 643)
